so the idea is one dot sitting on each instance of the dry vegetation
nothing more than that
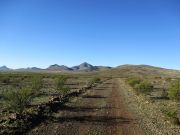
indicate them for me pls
(159, 87)
(163, 91)
(26, 99)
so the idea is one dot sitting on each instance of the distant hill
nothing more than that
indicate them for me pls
(29, 69)
(57, 67)
(84, 67)
(120, 71)
(102, 68)
(141, 70)
(88, 67)
(4, 68)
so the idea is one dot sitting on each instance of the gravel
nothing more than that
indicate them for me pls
(152, 120)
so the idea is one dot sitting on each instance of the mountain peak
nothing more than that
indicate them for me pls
(4, 68)
(54, 65)
(57, 67)
(85, 64)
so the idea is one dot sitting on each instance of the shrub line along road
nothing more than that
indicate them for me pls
(100, 111)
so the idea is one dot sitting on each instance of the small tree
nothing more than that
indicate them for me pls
(174, 90)
(18, 100)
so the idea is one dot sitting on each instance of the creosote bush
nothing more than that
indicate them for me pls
(174, 90)
(96, 80)
(172, 115)
(60, 85)
(140, 85)
(5, 79)
(144, 88)
(36, 84)
(134, 81)
(18, 100)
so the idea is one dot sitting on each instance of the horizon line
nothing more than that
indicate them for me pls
(158, 66)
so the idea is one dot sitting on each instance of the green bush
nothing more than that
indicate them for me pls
(5, 79)
(174, 90)
(65, 91)
(133, 81)
(18, 100)
(172, 114)
(93, 81)
(144, 88)
(60, 85)
(60, 82)
(96, 80)
(164, 93)
(36, 84)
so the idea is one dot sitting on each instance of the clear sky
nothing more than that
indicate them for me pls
(101, 32)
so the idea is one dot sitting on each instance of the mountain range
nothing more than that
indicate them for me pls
(119, 71)
(82, 67)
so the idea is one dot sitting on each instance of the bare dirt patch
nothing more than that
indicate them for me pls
(100, 111)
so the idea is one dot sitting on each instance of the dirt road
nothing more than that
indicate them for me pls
(100, 111)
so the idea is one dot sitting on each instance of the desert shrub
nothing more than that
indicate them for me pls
(18, 100)
(65, 91)
(36, 84)
(60, 82)
(157, 77)
(93, 81)
(168, 79)
(144, 87)
(60, 85)
(164, 94)
(174, 90)
(172, 115)
(96, 80)
(16, 82)
(134, 81)
(5, 79)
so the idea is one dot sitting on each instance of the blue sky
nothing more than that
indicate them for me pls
(101, 32)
